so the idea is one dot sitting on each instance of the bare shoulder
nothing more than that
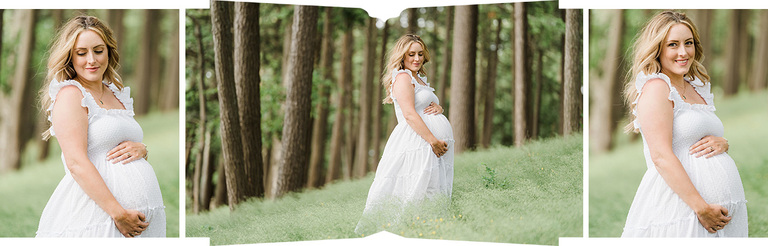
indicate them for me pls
(402, 78)
(69, 94)
(656, 87)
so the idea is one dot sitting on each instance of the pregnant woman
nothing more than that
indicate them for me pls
(109, 189)
(417, 162)
(692, 187)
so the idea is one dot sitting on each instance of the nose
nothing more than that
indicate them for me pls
(682, 52)
(89, 57)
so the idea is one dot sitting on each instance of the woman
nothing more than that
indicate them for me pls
(417, 162)
(692, 187)
(109, 189)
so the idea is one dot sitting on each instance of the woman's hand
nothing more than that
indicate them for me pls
(709, 146)
(126, 152)
(130, 223)
(433, 109)
(439, 147)
(713, 217)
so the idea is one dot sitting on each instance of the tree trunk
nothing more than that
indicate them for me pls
(491, 97)
(601, 112)
(463, 78)
(146, 69)
(732, 53)
(12, 108)
(413, 21)
(295, 155)
(759, 75)
(337, 134)
(170, 85)
(114, 20)
(206, 176)
(572, 70)
(248, 100)
(445, 75)
(537, 93)
(521, 73)
(377, 113)
(320, 126)
(220, 197)
(231, 143)
(286, 50)
(361, 165)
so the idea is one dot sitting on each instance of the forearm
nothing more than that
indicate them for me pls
(418, 125)
(89, 179)
(673, 173)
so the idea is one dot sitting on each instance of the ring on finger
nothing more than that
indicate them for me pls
(711, 149)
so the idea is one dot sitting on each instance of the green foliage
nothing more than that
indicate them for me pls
(615, 176)
(30, 188)
(544, 204)
(490, 178)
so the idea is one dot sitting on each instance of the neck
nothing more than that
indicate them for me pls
(675, 79)
(91, 86)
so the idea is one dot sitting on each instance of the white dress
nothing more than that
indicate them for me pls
(657, 211)
(70, 212)
(409, 173)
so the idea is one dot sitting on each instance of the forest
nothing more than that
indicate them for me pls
(149, 65)
(283, 98)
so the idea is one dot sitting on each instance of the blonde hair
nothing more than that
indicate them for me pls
(395, 62)
(60, 66)
(646, 51)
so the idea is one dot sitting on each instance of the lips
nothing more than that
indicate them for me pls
(682, 62)
(92, 69)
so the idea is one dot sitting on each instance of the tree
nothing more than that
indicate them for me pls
(18, 101)
(319, 128)
(170, 86)
(361, 165)
(248, 100)
(231, 144)
(377, 104)
(493, 60)
(293, 164)
(759, 77)
(148, 68)
(733, 52)
(463, 77)
(442, 83)
(601, 121)
(413, 20)
(342, 97)
(522, 65)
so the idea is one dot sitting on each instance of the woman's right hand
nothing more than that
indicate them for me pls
(130, 223)
(713, 217)
(439, 147)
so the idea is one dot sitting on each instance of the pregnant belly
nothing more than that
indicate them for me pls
(439, 126)
(133, 184)
(717, 179)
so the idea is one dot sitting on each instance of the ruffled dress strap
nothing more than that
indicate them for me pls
(124, 96)
(416, 84)
(643, 78)
(87, 102)
(705, 90)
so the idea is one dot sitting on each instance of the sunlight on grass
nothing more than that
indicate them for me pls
(540, 201)
(615, 176)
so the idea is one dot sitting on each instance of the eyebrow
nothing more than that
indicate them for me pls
(83, 48)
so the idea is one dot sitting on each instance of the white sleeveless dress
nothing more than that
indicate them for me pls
(657, 211)
(70, 212)
(409, 173)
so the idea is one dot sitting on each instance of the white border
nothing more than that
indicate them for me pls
(105, 4)
(663, 4)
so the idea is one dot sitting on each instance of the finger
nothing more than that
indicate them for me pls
(724, 211)
(130, 158)
(710, 154)
(117, 153)
(119, 158)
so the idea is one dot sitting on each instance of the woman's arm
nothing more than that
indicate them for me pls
(70, 122)
(404, 92)
(655, 115)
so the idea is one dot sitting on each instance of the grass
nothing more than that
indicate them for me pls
(26, 192)
(615, 176)
(531, 194)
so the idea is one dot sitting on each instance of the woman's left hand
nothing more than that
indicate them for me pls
(126, 152)
(433, 109)
(709, 146)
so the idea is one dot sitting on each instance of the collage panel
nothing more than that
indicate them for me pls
(314, 123)
(89, 99)
(682, 91)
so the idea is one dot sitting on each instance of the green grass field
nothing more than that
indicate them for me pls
(535, 196)
(615, 176)
(26, 192)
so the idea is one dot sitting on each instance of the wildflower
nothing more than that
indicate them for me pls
(420, 234)
(433, 232)
(441, 219)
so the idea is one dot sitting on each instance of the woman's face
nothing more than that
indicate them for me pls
(90, 57)
(414, 58)
(677, 51)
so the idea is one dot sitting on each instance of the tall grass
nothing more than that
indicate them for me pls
(615, 176)
(25, 193)
(531, 194)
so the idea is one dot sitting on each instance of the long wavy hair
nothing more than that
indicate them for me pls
(396, 61)
(60, 66)
(647, 49)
